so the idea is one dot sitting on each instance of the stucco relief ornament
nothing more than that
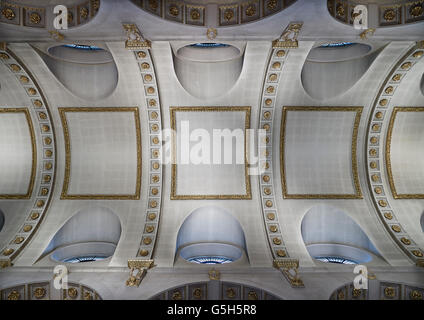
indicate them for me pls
(195, 14)
(135, 40)
(389, 15)
(416, 10)
(211, 33)
(8, 13)
(288, 39)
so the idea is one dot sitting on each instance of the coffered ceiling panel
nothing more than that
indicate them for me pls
(103, 153)
(318, 152)
(204, 175)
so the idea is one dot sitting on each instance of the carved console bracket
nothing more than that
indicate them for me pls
(135, 40)
(141, 266)
(289, 268)
(288, 38)
(4, 263)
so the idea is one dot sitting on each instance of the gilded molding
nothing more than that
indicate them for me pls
(34, 154)
(354, 165)
(65, 195)
(135, 40)
(387, 153)
(288, 39)
(289, 268)
(174, 195)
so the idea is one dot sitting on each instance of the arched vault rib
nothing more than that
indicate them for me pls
(375, 155)
(45, 178)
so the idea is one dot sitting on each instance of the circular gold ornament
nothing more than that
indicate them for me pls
(148, 78)
(373, 152)
(396, 228)
(266, 126)
(250, 11)
(373, 165)
(195, 14)
(228, 14)
(40, 293)
(156, 165)
(153, 204)
(416, 295)
(152, 216)
(174, 11)
(141, 54)
(397, 77)
(389, 90)
(150, 90)
(13, 295)
(35, 215)
(48, 141)
(375, 127)
(45, 128)
(406, 65)
(4, 56)
(276, 65)
(270, 216)
(273, 228)
(378, 190)
(281, 253)
(72, 293)
(24, 79)
(152, 103)
(383, 102)
(416, 10)
(155, 191)
(266, 178)
(382, 203)
(281, 53)
(276, 241)
(388, 215)
(417, 253)
(84, 13)
(405, 241)
(48, 153)
(8, 13)
(418, 54)
(375, 177)
(27, 228)
(40, 203)
(19, 240)
(273, 77)
(32, 91)
(389, 15)
(48, 166)
(267, 191)
(145, 65)
(38, 103)
(268, 203)
(150, 229)
(389, 292)
(379, 115)
(147, 241)
(15, 67)
(8, 252)
(144, 252)
(35, 18)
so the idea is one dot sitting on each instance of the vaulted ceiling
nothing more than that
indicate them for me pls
(85, 127)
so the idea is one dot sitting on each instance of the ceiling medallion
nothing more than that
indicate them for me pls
(35, 18)
(416, 10)
(195, 14)
(8, 13)
(250, 11)
(211, 33)
(389, 15)
(174, 11)
(228, 14)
